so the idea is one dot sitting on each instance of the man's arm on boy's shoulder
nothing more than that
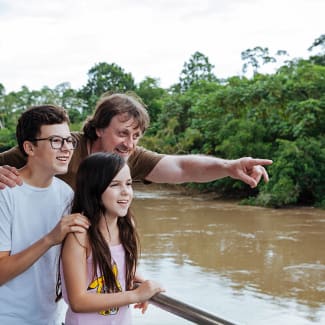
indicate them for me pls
(10, 160)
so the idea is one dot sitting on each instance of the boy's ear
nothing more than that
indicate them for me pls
(29, 148)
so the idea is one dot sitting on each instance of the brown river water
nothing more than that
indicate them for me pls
(247, 265)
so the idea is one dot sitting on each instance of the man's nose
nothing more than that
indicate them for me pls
(129, 142)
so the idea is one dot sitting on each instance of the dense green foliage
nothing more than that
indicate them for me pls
(280, 116)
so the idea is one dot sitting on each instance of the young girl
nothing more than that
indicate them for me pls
(98, 268)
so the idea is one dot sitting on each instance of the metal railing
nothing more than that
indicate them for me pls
(186, 311)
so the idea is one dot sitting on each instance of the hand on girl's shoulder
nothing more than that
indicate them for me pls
(78, 238)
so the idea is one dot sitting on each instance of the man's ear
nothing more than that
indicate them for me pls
(29, 148)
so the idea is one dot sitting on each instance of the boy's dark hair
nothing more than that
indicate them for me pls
(110, 105)
(31, 120)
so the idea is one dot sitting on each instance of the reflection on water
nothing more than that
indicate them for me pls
(249, 265)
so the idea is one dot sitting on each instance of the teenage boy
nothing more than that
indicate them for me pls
(32, 218)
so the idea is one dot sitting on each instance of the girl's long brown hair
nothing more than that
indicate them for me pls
(94, 175)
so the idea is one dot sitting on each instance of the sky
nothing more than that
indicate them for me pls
(49, 42)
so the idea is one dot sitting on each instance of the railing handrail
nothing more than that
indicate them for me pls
(186, 311)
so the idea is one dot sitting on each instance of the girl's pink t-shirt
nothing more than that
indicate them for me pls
(112, 316)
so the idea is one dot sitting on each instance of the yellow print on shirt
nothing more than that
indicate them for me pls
(98, 284)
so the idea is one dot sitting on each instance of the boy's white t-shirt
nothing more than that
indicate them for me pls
(27, 214)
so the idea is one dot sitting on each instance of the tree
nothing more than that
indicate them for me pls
(318, 42)
(104, 77)
(2, 90)
(153, 96)
(319, 58)
(257, 57)
(2, 94)
(198, 68)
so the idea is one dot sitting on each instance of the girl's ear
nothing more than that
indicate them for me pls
(99, 132)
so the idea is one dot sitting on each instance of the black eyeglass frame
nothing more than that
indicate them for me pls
(72, 142)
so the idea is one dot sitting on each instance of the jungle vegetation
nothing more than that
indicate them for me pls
(279, 116)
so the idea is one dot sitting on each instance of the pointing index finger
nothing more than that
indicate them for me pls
(258, 161)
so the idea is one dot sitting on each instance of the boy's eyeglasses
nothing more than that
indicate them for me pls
(57, 142)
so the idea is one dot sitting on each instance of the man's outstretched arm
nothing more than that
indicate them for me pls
(202, 169)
